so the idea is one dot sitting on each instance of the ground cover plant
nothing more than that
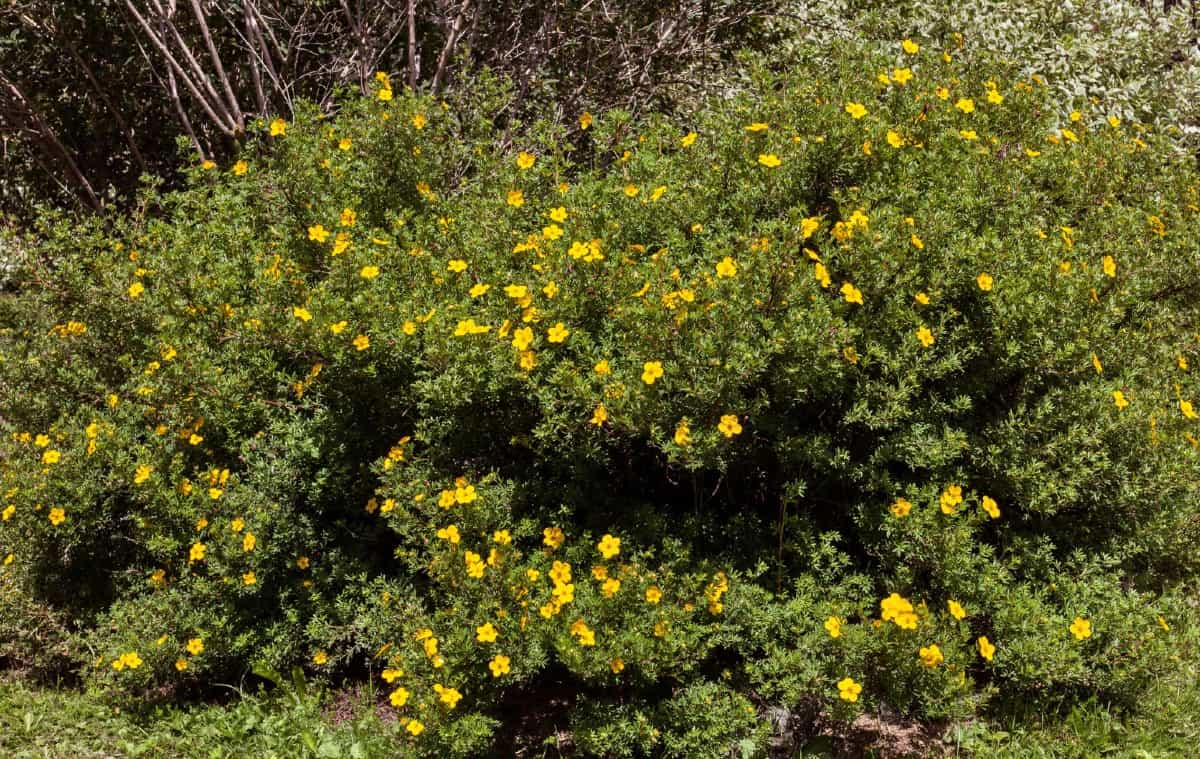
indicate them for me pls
(867, 390)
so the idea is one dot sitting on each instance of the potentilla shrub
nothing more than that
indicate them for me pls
(874, 389)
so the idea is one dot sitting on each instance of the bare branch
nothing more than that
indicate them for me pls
(220, 69)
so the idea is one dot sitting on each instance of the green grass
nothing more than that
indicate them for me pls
(295, 721)
(48, 722)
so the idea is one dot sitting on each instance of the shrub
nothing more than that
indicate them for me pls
(810, 394)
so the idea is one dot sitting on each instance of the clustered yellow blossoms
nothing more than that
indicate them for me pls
(529, 334)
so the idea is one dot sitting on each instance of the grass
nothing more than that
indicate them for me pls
(47, 722)
(300, 720)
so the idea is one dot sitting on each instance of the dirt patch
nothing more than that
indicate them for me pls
(882, 734)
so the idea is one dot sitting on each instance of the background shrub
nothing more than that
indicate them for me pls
(877, 357)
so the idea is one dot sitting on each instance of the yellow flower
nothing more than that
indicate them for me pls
(910, 47)
(249, 542)
(651, 372)
(727, 267)
(653, 595)
(196, 553)
(249, 578)
(757, 126)
(956, 609)
(181, 664)
(464, 493)
(522, 338)
(851, 293)
(585, 120)
(894, 139)
(414, 728)
(278, 128)
(552, 232)
(893, 606)
(901, 507)
(398, 697)
(553, 537)
(822, 275)
(1110, 266)
(1119, 399)
(1081, 628)
(599, 416)
(585, 634)
(57, 516)
(369, 272)
(616, 665)
(457, 266)
(240, 168)
(136, 289)
(609, 546)
(922, 298)
(448, 696)
(986, 649)
(966, 105)
(925, 336)
(902, 76)
(500, 665)
(318, 233)
(338, 327)
(362, 342)
(525, 160)
(729, 425)
(856, 110)
(1186, 408)
(688, 139)
(833, 626)
(931, 656)
(558, 333)
(419, 121)
(486, 633)
(770, 160)
(683, 434)
(515, 198)
(449, 533)
(968, 134)
(984, 281)
(989, 505)
(319, 658)
(951, 497)
(51, 457)
(848, 690)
